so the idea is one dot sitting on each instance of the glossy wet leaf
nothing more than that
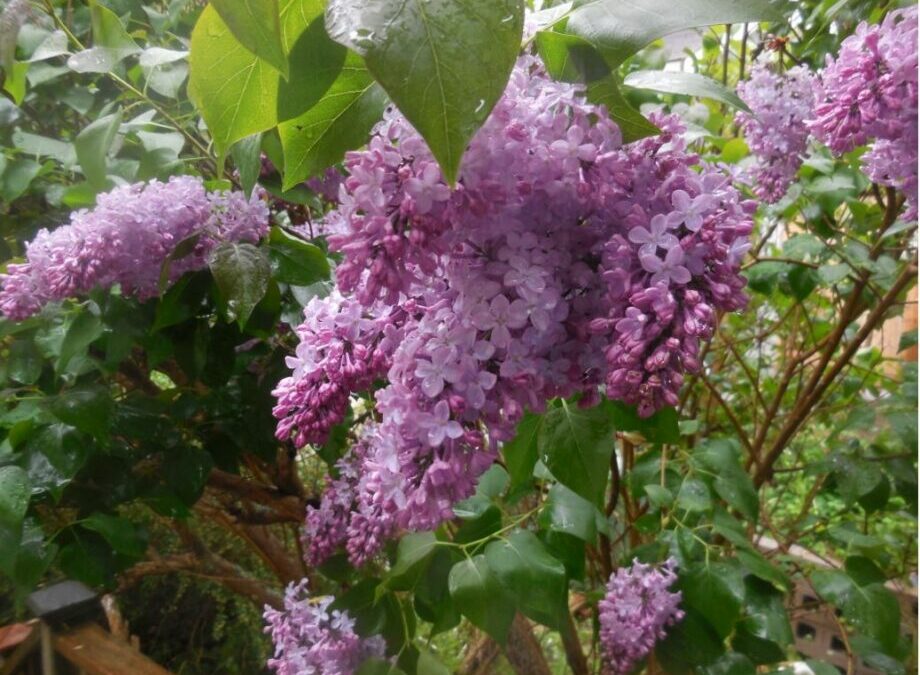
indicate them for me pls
(444, 63)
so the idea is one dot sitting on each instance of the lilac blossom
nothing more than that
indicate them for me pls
(776, 129)
(868, 94)
(636, 613)
(126, 239)
(564, 263)
(310, 638)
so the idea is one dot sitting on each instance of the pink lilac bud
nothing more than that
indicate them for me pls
(869, 94)
(776, 129)
(126, 239)
(636, 613)
(312, 639)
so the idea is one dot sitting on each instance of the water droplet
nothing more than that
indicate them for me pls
(482, 104)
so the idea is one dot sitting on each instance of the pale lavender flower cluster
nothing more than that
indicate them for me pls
(126, 239)
(636, 613)
(563, 263)
(311, 639)
(869, 94)
(776, 129)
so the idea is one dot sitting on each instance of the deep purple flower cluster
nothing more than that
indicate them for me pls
(776, 129)
(126, 239)
(635, 614)
(869, 94)
(563, 263)
(311, 639)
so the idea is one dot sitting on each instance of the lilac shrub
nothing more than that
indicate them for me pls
(635, 613)
(312, 639)
(868, 94)
(126, 239)
(563, 263)
(776, 129)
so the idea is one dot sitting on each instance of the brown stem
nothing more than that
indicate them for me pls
(523, 651)
(821, 380)
(574, 655)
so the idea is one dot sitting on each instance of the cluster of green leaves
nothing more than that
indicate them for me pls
(320, 75)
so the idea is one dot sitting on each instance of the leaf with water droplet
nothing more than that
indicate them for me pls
(242, 272)
(444, 63)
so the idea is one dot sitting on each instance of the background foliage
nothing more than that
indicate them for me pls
(137, 449)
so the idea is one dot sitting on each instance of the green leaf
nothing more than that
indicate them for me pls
(662, 427)
(235, 91)
(872, 609)
(716, 591)
(124, 536)
(295, 261)
(428, 664)
(89, 409)
(481, 598)
(734, 151)
(757, 565)
(14, 81)
(632, 123)
(732, 483)
(864, 571)
(521, 453)
(111, 43)
(766, 615)
(658, 496)
(242, 272)
(694, 496)
(25, 362)
(375, 666)
(732, 663)
(54, 456)
(688, 645)
(576, 445)
(14, 495)
(570, 58)
(16, 178)
(690, 84)
(81, 333)
(620, 28)
(92, 145)
(413, 551)
(534, 578)
(446, 83)
(564, 511)
(317, 60)
(247, 156)
(256, 24)
(340, 121)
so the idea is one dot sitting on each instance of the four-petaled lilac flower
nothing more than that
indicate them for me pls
(440, 426)
(633, 324)
(667, 270)
(432, 374)
(690, 211)
(501, 316)
(655, 237)
(573, 148)
(426, 188)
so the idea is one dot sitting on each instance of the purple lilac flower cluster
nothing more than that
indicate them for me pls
(869, 94)
(635, 613)
(776, 129)
(311, 639)
(125, 240)
(563, 263)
